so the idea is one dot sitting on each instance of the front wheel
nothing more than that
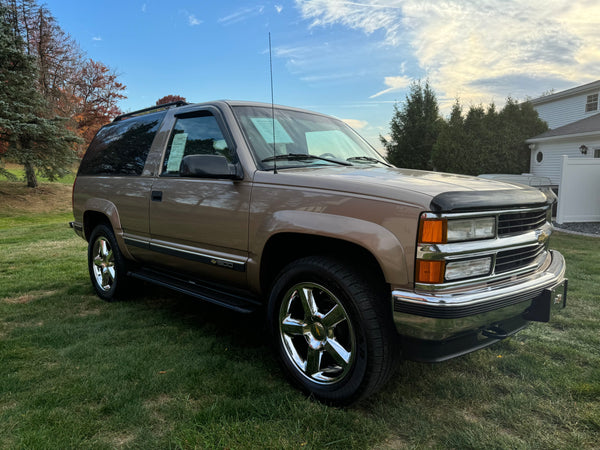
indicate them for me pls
(331, 329)
(106, 264)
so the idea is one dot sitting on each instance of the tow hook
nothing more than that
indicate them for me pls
(495, 332)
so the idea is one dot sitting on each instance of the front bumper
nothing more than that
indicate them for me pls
(435, 327)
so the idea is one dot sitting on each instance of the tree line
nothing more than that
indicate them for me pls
(53, 99)
(484, 140)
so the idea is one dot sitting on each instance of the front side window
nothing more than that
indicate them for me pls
(300, 139)
(194, 134)
(592, 103)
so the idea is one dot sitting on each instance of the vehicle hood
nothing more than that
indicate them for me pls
(430, 190)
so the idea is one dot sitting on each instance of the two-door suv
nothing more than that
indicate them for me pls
(355, 262)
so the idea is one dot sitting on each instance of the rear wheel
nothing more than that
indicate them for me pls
(106, 264)
(331, 330)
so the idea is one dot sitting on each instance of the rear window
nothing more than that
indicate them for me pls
(121, 148)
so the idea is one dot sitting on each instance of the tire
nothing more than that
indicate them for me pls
(332, 329)
(106, 264)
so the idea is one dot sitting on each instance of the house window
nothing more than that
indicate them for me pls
(539, 157)
(597, 153)
(592, 103)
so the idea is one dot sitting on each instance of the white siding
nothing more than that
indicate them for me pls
(565, 110)
(551, 163)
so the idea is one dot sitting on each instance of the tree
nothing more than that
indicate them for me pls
(448, 149)
(32, 136)
(170, 99)
(96, 91)
(487, 141)
(414, 129)
(72, 93)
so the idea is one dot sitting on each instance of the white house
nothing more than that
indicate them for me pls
(569, 153)
(574, 121)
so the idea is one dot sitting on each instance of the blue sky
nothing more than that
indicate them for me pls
(353, 60)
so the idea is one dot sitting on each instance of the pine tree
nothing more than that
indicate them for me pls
(31, 134)
(414, 129)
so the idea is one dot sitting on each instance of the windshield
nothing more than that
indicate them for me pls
(302, 139)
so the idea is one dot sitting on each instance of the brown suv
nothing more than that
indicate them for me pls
(251, 206)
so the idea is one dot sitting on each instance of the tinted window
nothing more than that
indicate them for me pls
(197, 134)
(121, 148)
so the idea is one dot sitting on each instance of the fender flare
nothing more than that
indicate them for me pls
(377, 240)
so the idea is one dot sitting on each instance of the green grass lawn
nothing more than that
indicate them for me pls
(165, 371)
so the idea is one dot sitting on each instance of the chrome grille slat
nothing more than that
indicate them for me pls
(508, 260)
(520, 222)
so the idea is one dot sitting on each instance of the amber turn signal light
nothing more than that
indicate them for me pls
(432, 231)
(430, 271)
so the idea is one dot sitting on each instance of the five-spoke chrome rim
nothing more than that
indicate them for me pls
(103, 264)
(317, 333)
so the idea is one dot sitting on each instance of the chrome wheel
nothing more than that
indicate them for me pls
(316, 333)
(103, 264)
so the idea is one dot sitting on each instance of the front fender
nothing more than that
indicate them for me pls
(379, 241)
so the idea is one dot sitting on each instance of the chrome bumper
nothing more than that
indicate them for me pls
(444, 316)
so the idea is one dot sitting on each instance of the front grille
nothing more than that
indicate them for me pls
(520, 222)
(509, 260)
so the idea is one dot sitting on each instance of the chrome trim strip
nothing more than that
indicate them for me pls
(492, 213)
(187, 254)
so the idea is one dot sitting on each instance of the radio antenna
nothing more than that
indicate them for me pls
(272, 105)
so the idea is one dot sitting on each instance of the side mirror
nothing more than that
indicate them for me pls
(208, 166)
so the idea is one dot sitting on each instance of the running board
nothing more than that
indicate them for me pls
(212, 294)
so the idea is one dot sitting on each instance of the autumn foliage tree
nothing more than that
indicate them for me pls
(96, 92)
(31, 134)
(170, 99)
(79, 94)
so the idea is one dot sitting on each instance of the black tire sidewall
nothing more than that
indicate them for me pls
(316, 270)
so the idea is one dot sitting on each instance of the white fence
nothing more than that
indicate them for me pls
(579, 193)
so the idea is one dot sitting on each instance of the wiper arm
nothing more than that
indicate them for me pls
(302, 156)
(368, 159)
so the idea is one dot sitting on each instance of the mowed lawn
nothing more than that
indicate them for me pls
(164, 371)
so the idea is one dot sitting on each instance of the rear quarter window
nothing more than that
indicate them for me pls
(121, 148)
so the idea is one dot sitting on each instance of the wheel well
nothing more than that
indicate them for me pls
(91, 219)
(284, 248)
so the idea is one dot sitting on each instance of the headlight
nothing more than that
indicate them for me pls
(458, 270)
(441, 231)
(471, 229)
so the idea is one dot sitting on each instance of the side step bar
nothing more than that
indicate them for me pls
(212, 294)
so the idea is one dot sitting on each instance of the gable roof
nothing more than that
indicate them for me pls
(593, 86)
(583, 127)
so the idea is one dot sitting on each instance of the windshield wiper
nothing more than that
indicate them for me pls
(302, 156)
(367, 159)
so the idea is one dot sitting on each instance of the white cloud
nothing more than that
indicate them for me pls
(144, 8)
(97, 38)
(355, 123)
(478, 51)
(394, 84)
(241, 15)
(278, 8)
(193, 21)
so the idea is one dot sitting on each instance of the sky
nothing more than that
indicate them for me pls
(351, 59)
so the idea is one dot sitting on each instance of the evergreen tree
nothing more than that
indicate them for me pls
(414, 129)
(487, 141)
(32, 136)
(448, 149)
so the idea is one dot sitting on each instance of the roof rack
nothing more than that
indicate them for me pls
(141, 112)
